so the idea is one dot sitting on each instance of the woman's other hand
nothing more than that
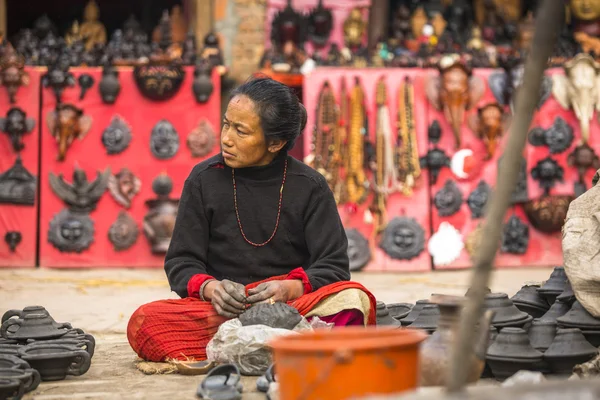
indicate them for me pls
(282, 291)
(228, 298)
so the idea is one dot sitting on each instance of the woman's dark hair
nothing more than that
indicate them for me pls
(282, 116)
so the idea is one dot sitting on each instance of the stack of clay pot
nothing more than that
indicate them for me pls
(555, 341)
(36, 348)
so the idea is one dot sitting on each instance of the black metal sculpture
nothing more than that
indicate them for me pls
(478, 199)
(403, 238)
(320, 24)
(202, 86)
(117, 136)
(558, 137)
(288, 26)
(80, 195)
(515, 236)
(359, 252)
(17, 185)
(12, 239)
(159, 82)
(71, 231)
(123, 233)
(109, 86)
(434, 161)
(164, 140)
(547, 172)
(15, 125)
(59, 77)
(449, 199)
(582, 157)
(86, 81)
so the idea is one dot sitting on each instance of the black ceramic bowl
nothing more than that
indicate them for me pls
(55, 361)
(30, 377)
(11, 388)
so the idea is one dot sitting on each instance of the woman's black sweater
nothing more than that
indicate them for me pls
(207, 239)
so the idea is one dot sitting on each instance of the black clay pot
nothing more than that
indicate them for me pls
(11, 349)
(593, 337)
(529, 301)
(11, 388)
(541, 334)
(80, 342)
(109, 86)
(10, 361)
(511, 352)
(568, 349)
(579, 317)
(567, 295)
(487, 370)
(414, 312)
(278, 315)
(383, 316)
(506, 314)
(399, 310)
(30, 377)
(555, 285)
(22, 313)
(427, 319)
(55, 361)
(557, 310)
(33, 326)
(202, 86)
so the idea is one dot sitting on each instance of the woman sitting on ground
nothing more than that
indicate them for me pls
(254, 225)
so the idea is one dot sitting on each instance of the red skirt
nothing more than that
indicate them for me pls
(181, 329)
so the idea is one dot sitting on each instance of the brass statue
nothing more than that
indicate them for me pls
(179, 27)
(92, 30)
(74, 34)
(586, 16)
(354, 28)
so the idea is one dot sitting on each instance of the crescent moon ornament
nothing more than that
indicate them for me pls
(461, 163)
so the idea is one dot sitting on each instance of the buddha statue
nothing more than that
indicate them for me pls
(476, 41)
(354, 28)
(74, 34)
(179, 27)
(439, 24)
(92, 30)
(586, 16)
(418, 21)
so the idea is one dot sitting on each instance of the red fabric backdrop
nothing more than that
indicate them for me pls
(21, 218)
(417, 205)
(141, 115)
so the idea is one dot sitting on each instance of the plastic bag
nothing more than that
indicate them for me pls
(247, 346)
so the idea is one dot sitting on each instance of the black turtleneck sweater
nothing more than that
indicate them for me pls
(207, 238)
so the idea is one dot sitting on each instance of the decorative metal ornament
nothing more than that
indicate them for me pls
(17, 185)
(109, 86)
(80, 195)
(434, 160)
(123, 233)
(359, 252)
(478, 199)
(12, 239)
(583, 157)
(434, 132)
(403, 238)
(201, 139)
(288, 26)
(547, 214)
(445, 245)
(117, 136)
(12, 73)
(515, 236)
(160, 219)
(158, 82)
(58, 77)
(520, 194)
(547, 172)
(71, 232)
(558, 137)
(203, 85)
(320, 24)
(164, 140)
(504, 85)
(448, 200)
(15, 125)
(86, 81)
(124, 186)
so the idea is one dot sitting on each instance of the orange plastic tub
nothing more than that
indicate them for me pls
(347, 362)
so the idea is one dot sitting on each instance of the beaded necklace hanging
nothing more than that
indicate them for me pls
(237, 213)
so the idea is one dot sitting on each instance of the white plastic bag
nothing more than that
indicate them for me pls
(247, 346)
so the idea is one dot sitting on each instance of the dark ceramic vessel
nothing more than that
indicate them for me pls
(10, 361)
(11, 388)
(278, 315)
(11, 349)
(555, 285)
(511, 352)
(55, 361)
(30, 377)
(529, 301)
(579, 317)
(557, 310)
(541, 334)
(427, 319)
(567, 295)
(414, 312)
(33, 326)
(79, 341)
(399, 310)
(383, 316)
(568, 349)
(506, 314)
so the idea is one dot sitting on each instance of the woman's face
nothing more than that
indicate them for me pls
(243, 142)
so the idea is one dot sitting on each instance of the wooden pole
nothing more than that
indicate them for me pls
(548, 24)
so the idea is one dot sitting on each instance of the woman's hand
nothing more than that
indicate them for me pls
(282, 291)
(228, 298)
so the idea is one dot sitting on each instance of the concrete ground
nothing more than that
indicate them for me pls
(101, 301)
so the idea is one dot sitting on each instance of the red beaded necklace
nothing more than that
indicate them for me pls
(237, 214)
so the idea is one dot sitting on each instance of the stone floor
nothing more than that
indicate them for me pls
(101, 301)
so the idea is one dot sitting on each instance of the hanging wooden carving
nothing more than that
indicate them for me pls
(67, 123)
(320, 24)
(583, 157)
(579, 89)
(547, 172)
(448, 200)
(13, 239)
(547, 214)
(160, 219)
(478, 199)
(164, 140)
(17, 185)
(355, 174)
(454, 91)
(123, 233)
(515, 236)
(80, 195)
(123, 187)
(71, 232)
(117, 136)
(59, 77)
(201, 139)
(288, 26)
(15, 125)
(359, 252)
(489, 124)
(409, 168)
(324, 132)
(159, 82)
(12, 75)
(403, 238)
(558, 137)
